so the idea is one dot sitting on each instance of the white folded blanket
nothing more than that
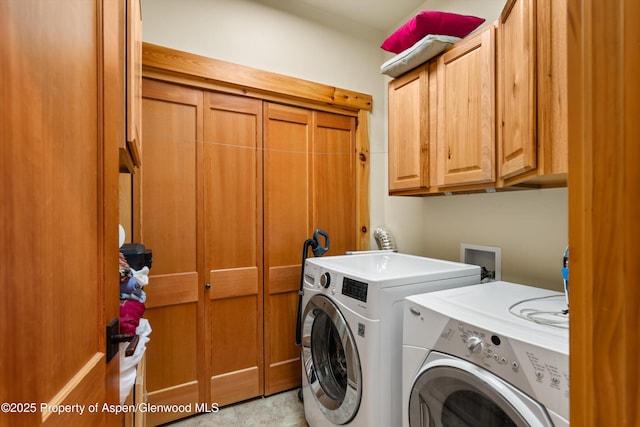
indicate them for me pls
(425, 49)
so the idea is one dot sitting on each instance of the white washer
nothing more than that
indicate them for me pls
(352, 332)
(491, 354)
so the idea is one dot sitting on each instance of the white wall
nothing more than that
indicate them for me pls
(530, 227)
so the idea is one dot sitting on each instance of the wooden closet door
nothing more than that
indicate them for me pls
(233, 246)
(287, 224)
(309, 183)
(333, 180)
(170, 227)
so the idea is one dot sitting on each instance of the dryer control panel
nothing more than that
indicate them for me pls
(537, 371)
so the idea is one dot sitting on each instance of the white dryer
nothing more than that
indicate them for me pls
(352, 332)
(486, 355)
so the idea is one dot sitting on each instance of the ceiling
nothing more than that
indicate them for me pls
(379, 14)
(379, 18)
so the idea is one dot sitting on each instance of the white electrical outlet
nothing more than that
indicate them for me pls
(489, 257)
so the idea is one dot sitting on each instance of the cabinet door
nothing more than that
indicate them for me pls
(552, 134)
(287, 141)
(409, 131)
(170, 195)
(233, 246)
(517, 148)
(466, 112)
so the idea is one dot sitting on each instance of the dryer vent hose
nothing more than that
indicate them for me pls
(383, 239)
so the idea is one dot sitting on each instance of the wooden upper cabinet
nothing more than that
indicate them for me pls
(489, 112)
(517, 144)
(466, 112)
(409, 131)
(553, 134)
(532, 93)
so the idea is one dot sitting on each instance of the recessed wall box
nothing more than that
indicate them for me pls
(487, 257)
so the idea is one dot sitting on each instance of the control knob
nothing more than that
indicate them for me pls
(325, 280)
(475, 345)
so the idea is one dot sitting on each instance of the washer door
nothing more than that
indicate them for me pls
(451, 392)
(330, 359)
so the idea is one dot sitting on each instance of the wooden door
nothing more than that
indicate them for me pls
(604, 230)
(59, 178)
(309, 183)
(134, 80)
(517, 145)
(170, 226)
(287, 224)
(409, 131)
(333, 179)
(466, 112)
(233, 246)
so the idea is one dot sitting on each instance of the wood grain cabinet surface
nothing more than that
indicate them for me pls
(442, 121)
(532, 94)
(466, 112)
(517, 88)
(488, 113)
(409, 131)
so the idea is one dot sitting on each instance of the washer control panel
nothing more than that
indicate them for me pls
(354, 289)
(351, 292)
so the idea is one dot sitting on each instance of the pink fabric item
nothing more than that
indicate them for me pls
(130, 313)
(430, 22)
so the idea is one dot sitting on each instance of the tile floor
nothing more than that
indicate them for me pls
(280, 410)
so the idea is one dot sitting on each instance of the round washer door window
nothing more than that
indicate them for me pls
(451, 392)
(330, 359)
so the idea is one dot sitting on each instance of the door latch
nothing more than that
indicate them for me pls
(114, 338)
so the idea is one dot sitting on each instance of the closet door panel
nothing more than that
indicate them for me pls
(287, 136)
(169, 227)
(233, 246)
(333, 180)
